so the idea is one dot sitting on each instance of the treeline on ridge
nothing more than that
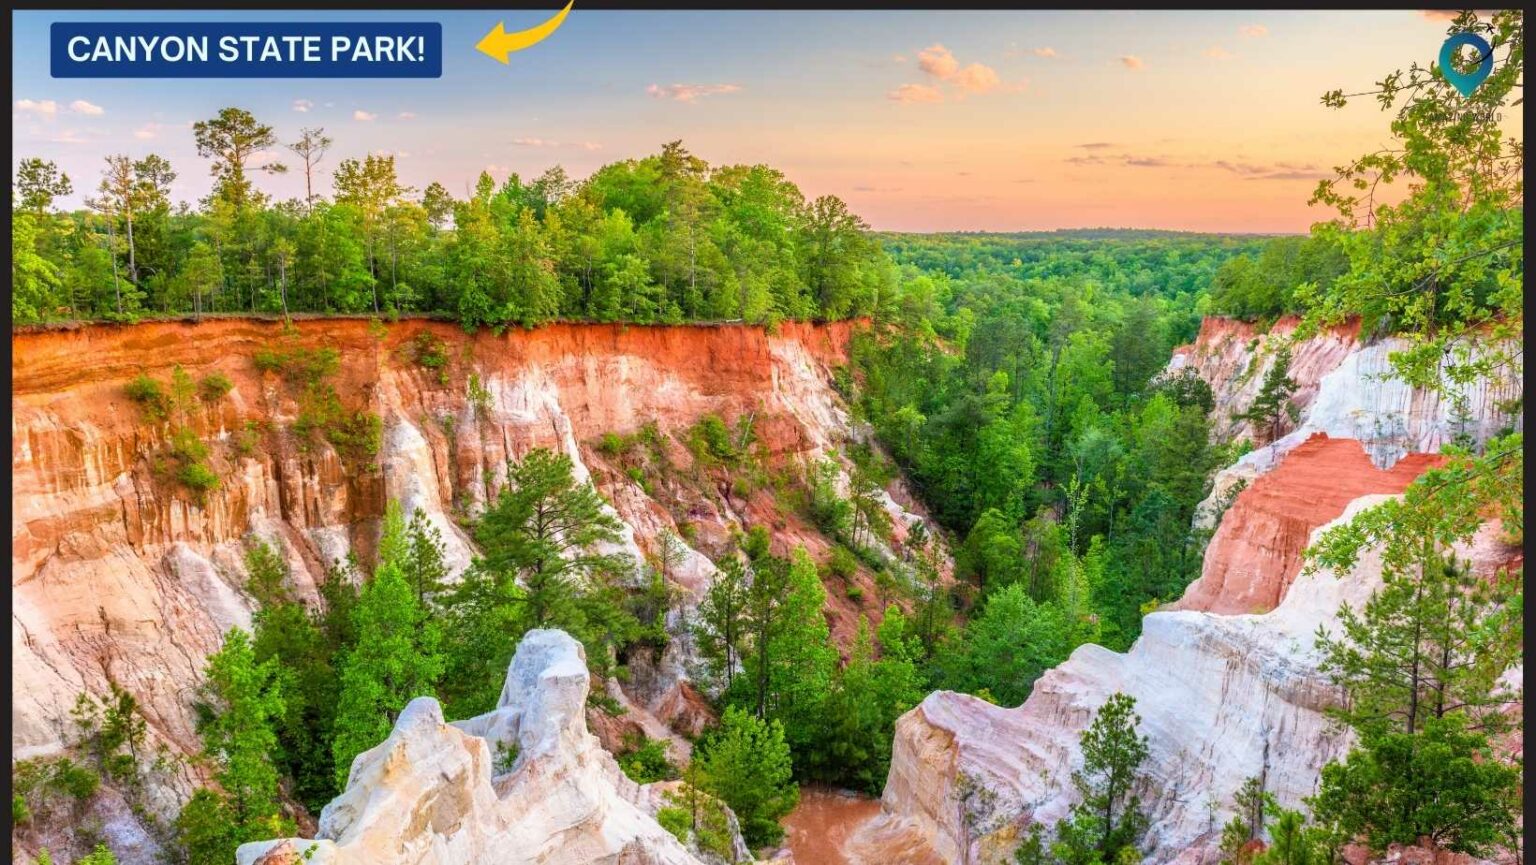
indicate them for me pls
(663, 239)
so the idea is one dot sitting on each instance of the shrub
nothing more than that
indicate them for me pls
(247, 438)
(855, 593)
(197, 477)
(645, 760)
(429, 351)
(215, 386)
(710, 440)
(676, 821)
(843, 562)
(150, 397)
(298, 364)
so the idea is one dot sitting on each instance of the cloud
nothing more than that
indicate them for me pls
(147, 131)
(590, 146)
(936, 60)
(898, 58)
(1148, 162)
(42, 108)
(1216, 52)
(80, 106)
(916, 93)
(407, 115)
(1253, 31)
(365, 116)
(939, 62)
(1046, 51)
(976, 78)
(302, 105)
(1131, 61)
(1273, 171)
(1097, 145)
(690, 92)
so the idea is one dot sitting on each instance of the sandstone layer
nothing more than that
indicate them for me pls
(121, 576)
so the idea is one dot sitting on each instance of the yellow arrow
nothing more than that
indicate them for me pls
(498, 43)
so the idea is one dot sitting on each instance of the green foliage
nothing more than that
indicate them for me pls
(661, 239)
(298, 364)
(214, 386)
(1006, 648)
(645, 760)
(150, 396)
(1442, 782)
(746, 763)
(1264, 286)
(238, 705)
(1272, 405)
(1107, 820)
(396, 656)
(674, 820)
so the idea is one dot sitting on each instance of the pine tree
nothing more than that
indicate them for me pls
(546, 529)
(746, 763)
(1108, 819)
(396, 657)
(240, 704)
(1272, 404)
(722, 621)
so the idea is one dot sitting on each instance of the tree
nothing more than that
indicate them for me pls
(35, 280)
(395, 659)
(722, 620)
(1006, 648)
(746, 763)
(38, 183)
(1443, 784)
(546, 528)
(231, 139)
(238, 707)
(311, 148)
(1273, 403)
(1108, 819)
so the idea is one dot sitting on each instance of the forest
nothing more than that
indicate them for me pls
(1014, 381)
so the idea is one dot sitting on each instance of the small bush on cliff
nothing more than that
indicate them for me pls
(215, 386)
(299, 364)
(150, 397)
(645, 760)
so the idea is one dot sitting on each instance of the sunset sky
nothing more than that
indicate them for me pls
(922, 121)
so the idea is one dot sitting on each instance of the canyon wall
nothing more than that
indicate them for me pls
(1226, 679)
(121, 575)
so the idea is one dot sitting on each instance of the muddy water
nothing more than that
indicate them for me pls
(816, 830)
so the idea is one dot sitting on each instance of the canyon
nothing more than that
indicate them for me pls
(122, 578)
(1226, 679)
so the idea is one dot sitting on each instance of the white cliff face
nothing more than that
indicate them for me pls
(433, 792)
(1221, 698)
(1345, 389)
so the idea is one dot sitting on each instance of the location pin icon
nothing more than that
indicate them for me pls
(1465, 82)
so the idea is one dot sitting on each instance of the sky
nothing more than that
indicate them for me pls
(921, 121)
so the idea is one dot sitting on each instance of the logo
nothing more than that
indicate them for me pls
(498, 43)
(1465, 82)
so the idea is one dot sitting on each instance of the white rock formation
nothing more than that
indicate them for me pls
(1220, 697)
(431, 794)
